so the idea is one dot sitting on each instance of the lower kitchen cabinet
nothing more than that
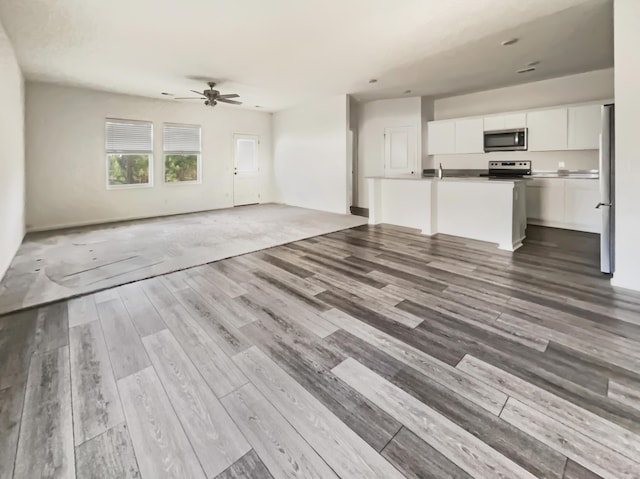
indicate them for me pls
(564, 203)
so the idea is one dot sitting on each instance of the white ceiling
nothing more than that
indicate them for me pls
(278, 53)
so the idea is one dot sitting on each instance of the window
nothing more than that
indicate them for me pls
(129, 146)
(181, 145)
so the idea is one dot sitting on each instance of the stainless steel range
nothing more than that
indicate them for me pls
(509, 169)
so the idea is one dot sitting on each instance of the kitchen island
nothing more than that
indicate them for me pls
(485, 209)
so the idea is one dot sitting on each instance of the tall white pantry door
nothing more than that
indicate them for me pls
(400, 151)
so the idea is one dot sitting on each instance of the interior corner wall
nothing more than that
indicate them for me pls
(373, 118)
(12, 154)
(627, 163)
(310, 154)
(66, 159)
(427, 110)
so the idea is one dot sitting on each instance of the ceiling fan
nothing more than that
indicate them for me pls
(211, 97)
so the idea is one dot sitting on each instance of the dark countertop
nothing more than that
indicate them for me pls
(471, 173)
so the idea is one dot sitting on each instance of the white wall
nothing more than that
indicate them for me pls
(627, 195)
(66, 171)
(310, 154)
(373, 118)
(583, 87)
(12, 157)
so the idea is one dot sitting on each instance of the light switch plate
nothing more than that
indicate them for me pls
(561, 164)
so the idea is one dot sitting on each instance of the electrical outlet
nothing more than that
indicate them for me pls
(561, 164)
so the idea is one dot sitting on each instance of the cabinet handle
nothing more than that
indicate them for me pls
(602, 204)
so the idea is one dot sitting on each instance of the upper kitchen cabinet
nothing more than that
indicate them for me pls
(547, 130)
(584, 127)
(505, 122)
(455, 136)
(441, 137)
(469, 136)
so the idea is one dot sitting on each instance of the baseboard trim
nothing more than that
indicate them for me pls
(564, 226)
(356, 210)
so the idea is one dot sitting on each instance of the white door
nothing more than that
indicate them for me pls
(400, 151)
(350, 198)
(246, 170)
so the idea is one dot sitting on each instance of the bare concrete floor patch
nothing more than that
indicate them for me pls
(61, 264)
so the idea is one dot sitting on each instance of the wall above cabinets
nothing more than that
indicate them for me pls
(573, 127)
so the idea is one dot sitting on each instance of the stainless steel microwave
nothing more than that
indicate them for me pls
(506, 140)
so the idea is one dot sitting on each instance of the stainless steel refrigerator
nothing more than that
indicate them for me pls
(607, 190)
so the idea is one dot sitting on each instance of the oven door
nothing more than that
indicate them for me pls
(505, 140)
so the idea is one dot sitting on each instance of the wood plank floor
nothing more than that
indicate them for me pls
(373, 352)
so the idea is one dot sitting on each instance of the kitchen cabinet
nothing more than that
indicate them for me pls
(505, 122)
(441, 136)
(554, 129)
(515, 120)
(564, 203)
(580, 200)
(469, 136)
(548, 130)
(545, 200)
(584, 127)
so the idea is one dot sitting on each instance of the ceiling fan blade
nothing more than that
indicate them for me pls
(232, 102)
(197, 92)
(191, 98)
(230, 95)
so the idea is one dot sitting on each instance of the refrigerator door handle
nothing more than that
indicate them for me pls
(602, 204)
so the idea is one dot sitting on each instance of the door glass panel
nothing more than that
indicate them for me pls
(246, 159)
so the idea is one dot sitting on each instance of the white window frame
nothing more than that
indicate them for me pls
(165, 153)
(107, 153)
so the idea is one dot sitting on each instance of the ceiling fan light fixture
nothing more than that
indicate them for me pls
(212, 97)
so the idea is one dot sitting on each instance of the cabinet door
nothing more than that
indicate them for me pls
(584, 127)
(545, 200)
(515, 120)
(441, 136)
(547, 130)
(533, 200)
(493, 123)
(581, 197)
(470, 136)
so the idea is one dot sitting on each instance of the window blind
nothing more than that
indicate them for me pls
(181, 139)
(128, 136)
